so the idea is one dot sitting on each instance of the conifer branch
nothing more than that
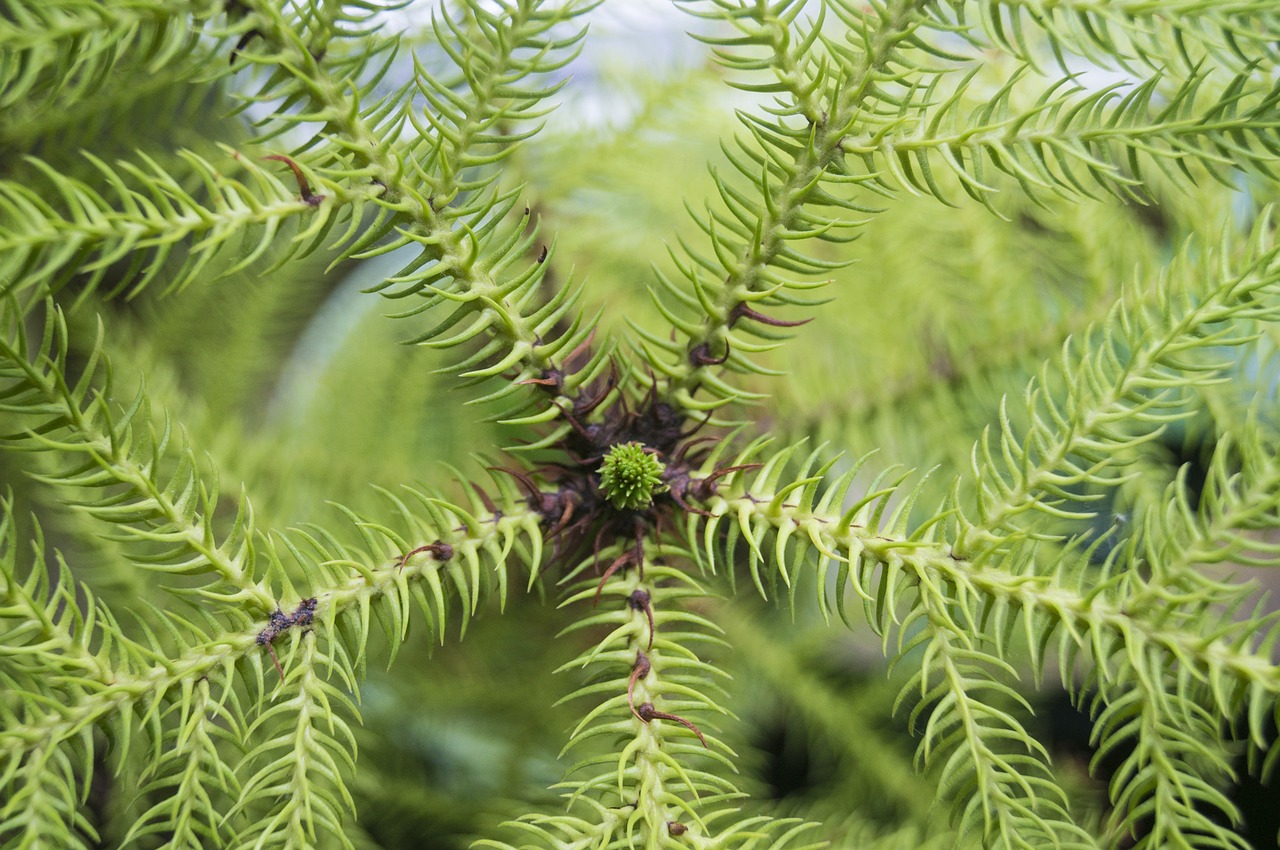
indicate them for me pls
(1067, 139)
(42, 808)
(298, 779)
(45, 626)
(150, 218)
(76, 417)
(788, 163)
(106, 684)
(1153, 33)
(228, 652)
(69, 48)
(72, 122)
(468, 247)
(652, 788)
(1168, 791)
(942, 576)
(997, 773)
(190, 781)
(1167, 340)
(1180, 544)
(655, 707)
(908, 579)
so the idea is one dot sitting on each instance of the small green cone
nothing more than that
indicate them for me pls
(630, 476)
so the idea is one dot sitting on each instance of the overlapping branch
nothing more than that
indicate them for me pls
(108, 681)
(1131, 34)
(142, 227)
(1058, 136)
(66, 50)
(790, 172)
(965, 588)
(439, 192)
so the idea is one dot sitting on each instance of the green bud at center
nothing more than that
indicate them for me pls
(630, 476)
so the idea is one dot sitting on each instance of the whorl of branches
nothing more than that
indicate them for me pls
(227, 702)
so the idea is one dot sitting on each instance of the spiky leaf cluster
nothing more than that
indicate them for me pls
(630, 476)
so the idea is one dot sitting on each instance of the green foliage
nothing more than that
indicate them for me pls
(1026, 246)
